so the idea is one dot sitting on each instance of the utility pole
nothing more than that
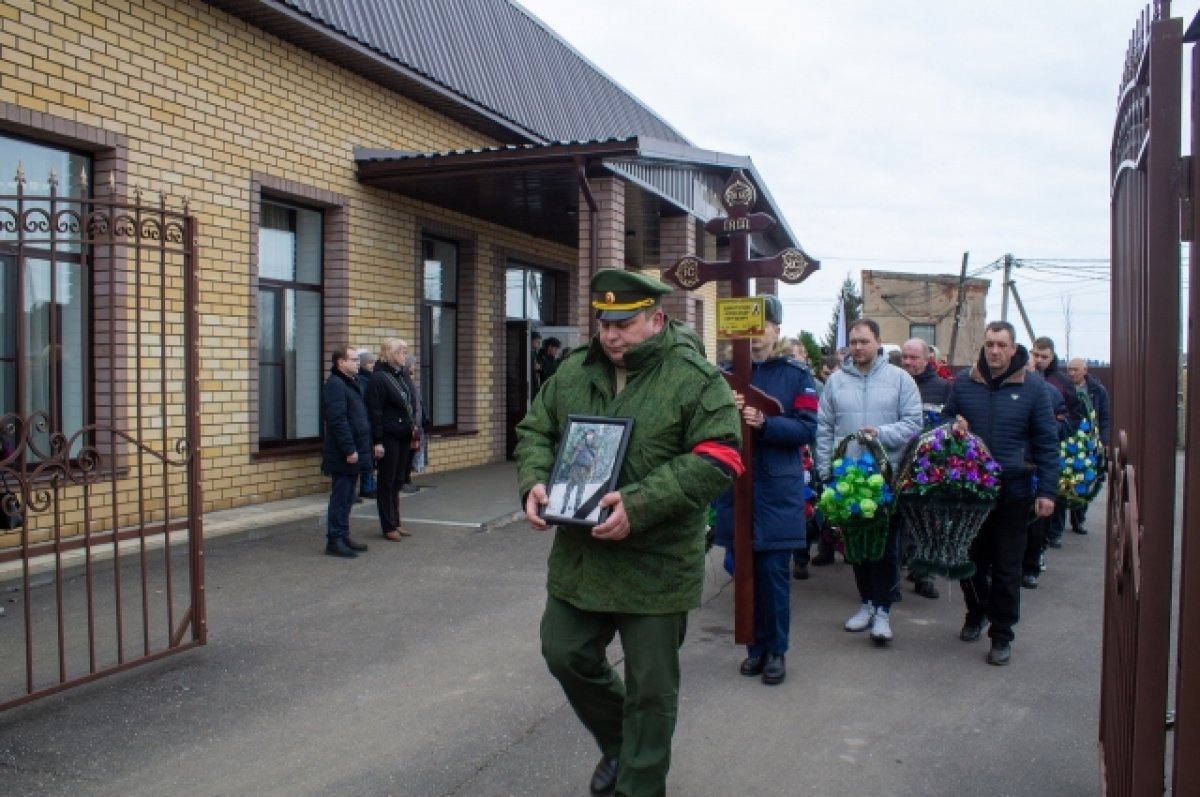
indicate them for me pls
(1024, 317)
(1008, 261)
(962, 285)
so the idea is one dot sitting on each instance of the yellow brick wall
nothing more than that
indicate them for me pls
(205, 100)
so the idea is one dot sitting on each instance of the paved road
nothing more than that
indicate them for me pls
(415, 671)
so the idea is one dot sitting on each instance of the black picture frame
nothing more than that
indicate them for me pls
(586, 469)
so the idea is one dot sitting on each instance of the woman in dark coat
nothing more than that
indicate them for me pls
(391, 405)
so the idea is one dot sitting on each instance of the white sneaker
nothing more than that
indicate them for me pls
(861, 619)
(881, 626)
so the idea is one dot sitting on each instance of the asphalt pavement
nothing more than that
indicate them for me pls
(415, 670)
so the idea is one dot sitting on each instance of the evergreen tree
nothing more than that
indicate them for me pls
(809, 341)
(851, 298)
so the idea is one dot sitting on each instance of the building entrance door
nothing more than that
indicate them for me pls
(518, 372)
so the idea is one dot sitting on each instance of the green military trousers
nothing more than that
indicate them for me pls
(635, 719)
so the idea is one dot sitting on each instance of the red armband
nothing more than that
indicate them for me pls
(724, 455)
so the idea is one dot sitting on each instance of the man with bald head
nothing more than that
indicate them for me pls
(1086, 384)
(916, 360)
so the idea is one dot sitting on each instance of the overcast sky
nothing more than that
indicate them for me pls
(897, 134)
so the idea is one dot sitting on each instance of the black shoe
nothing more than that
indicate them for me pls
(926, 588)
(776, 669)
(824, 557)
(604, 779)
(752, 666)
(896, 596)
(358, 500)
(799, 571)
(354, 545)
(971, 630)
(1053, 542)
(1029, 581)
(336, 546)
(367, 494)
(1000, 654)
(1079, 529)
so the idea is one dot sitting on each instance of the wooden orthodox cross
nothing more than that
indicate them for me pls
(792, 266)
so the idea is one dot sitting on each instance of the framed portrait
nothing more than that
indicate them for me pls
(586, 468)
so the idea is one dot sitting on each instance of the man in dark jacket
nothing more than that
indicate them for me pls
(1097, 396)
(915, 358)
(779, 517)
(1046, 361)
(1009, 408)
(346, 449)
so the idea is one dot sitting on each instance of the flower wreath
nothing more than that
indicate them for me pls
(859, 490)
(950, 462)
(1081, 460)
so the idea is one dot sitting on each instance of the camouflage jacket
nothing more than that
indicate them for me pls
(678, 400)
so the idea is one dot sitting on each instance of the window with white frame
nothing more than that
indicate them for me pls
(439, 332)
(290, 362)
(529, 293)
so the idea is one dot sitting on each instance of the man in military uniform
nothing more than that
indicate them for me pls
(641, 570)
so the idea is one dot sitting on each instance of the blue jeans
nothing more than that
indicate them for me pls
(772, 602)
(341, 501)
(368, 482)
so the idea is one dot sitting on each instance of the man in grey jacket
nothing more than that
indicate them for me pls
(871, 398)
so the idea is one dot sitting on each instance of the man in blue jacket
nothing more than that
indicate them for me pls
(346, 449)
(779, 520)
(1009, 408)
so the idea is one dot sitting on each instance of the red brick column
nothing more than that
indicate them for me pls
(677, 238)
(609, 193)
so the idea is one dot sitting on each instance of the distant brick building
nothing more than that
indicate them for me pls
(922, 306)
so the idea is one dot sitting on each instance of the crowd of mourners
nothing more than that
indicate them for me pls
(1021, 403)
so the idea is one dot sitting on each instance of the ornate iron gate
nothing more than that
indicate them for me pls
(101, 462)
(1148, 182)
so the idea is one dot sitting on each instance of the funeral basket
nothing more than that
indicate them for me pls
(947, 483)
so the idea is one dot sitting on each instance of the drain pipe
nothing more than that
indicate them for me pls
(594, 225)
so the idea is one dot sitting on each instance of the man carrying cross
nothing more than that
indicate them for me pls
(639, 572)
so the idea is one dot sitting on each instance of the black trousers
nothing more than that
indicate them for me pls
(1035, 545)
(994, 591)
(876, 580)
(392, 470)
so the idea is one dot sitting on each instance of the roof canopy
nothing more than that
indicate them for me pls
(535, 188)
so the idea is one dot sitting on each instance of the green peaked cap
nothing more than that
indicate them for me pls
(618, 294)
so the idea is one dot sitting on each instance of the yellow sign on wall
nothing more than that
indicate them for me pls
(741, 318)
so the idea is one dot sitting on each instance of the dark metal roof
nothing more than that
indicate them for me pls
(535, 188)
(488, 63)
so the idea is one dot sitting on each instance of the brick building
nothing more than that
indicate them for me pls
(451, 175)
(922, 306)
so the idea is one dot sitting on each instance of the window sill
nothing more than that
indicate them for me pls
(288, 450)
(446, 433)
